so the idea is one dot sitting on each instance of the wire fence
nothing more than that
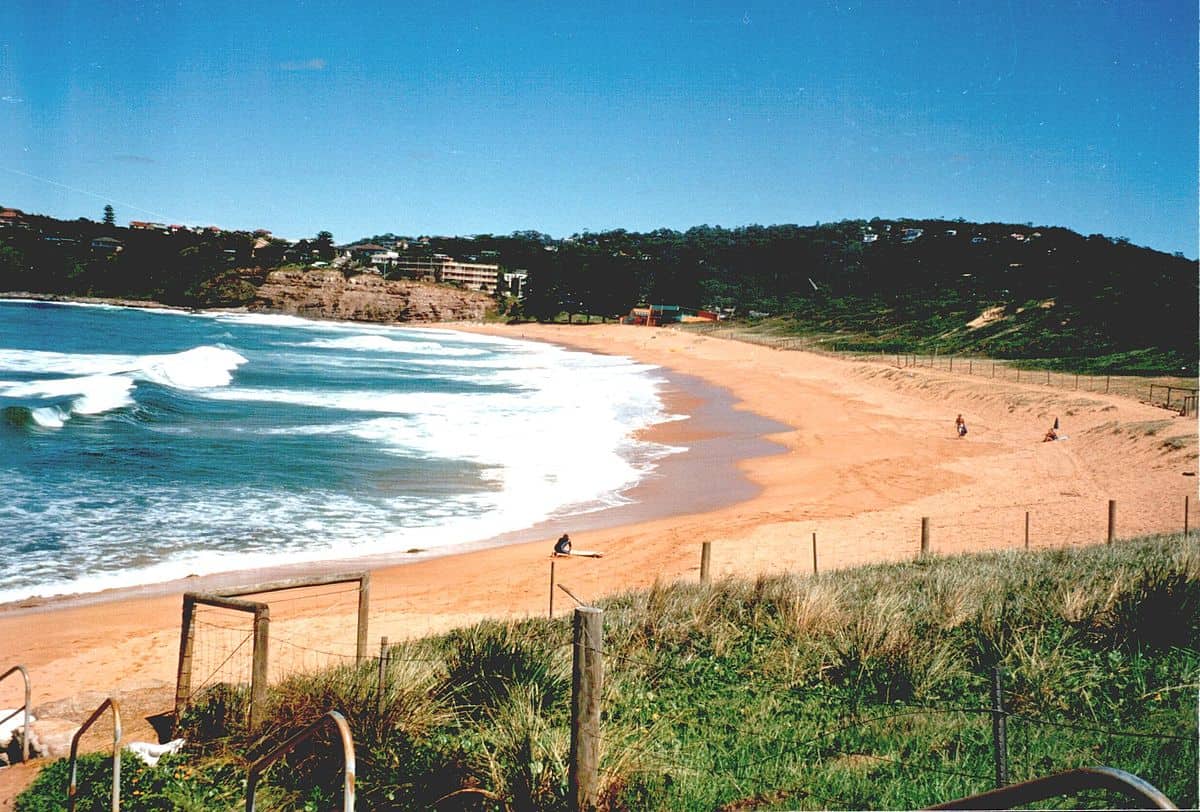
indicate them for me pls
(786, 760)
(1170, 392)
(774, 768)
(766, 764)
(222, 650)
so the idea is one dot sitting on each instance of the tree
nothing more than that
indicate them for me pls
(110, 219)
(324, 245)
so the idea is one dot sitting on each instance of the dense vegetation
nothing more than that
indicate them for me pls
(184, 267)
(1057, 295)
(897, 285)
(857, 689)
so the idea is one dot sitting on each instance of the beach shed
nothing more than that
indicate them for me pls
(654, 315)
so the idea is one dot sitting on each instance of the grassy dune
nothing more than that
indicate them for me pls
(857, 689)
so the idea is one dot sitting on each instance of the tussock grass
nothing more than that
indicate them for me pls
(854, 689)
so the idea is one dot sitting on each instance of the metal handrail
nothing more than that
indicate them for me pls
(1051, 786)
(260, 766)
(25, 738)
(116, 771)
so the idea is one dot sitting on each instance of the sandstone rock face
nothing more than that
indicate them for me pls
(328, 294)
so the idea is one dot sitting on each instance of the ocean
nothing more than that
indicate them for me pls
(139, 446)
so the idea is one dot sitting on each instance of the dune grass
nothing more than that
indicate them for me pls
(859, 689)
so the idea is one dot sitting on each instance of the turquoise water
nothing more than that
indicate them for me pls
(138, 446)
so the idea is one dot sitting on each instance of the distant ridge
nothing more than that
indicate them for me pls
(1002, 289)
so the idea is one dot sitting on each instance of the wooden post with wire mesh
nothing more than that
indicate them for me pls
(587, 686)
(257, 637)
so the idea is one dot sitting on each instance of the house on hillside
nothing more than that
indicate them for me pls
(12, 218)
(514, 282)
(105, 246)
(367, 251)
(142, 225)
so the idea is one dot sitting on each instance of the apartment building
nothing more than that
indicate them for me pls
(446, 269)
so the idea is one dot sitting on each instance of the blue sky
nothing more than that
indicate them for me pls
(462, 118)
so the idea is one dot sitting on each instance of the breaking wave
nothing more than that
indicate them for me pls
(103, 383)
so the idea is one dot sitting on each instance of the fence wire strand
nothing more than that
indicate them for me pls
(1102, 731)
(221, 665)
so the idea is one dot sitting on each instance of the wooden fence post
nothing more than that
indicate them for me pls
(705, 558)
(183, 678)
(258, 669)
(364, 608)
(924, 536)
(551, 588)
(1027, 530)
(1107, 381)
(587, 683)
(1112, 519)
(999, 730)
(1186, 497)
(814, 553)
(383, 644)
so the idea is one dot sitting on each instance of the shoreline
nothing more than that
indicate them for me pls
(62, 298)
(867, 451)
(712, 434)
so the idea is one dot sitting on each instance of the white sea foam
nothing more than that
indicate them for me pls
(93, 394)
(50, 417)
(540, 432)
(197, 368)
(101, 383)
(560, 441)
(379, 343)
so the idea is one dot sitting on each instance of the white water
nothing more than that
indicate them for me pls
(160, 448)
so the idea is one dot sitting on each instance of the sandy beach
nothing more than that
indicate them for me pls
(855, 452)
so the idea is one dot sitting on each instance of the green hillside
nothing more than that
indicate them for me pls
(997, 289)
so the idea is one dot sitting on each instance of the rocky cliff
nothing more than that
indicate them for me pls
(328, 294)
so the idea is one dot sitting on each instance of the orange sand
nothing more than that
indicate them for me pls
(870, 450)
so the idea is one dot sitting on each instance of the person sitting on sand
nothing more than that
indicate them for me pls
(1051, 435)
(960, 425)
(563, 545)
